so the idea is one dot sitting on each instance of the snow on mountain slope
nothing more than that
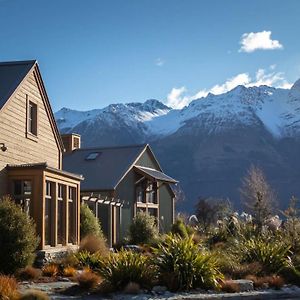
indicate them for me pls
(277, 109)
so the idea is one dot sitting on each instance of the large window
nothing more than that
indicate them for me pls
(32, 118)
(60, 214)
(72, 215)
(146, 197)
(22, 193)
(48, 213)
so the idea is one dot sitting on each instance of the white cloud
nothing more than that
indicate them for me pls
(159, 62)
(258, 41)
(179, 97)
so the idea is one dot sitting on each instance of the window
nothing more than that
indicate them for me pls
(22, 191)
(76, 142)
(92, 156)
(60, 214)
(32, 118)
(72, 213)
(48, 213)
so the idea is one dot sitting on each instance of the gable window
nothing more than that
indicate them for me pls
(32, 118)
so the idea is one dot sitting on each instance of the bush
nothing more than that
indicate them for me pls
(272, 255)
(179, 228)
(183, 267)
(18, 239)
(89, 224)
(88, 260)
(29, 273)
(123, 267)
(50, 270)
(69, 272)
(93, 244)
(8, 288)
(143, 229)
(88, 280)
(34, 295)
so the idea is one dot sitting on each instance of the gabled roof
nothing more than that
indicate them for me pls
(158, 175)
(104, 168)
(11, 75)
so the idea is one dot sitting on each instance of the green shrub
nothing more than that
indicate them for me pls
(272, 255)
(179, 228)
(87, 259)
(89, 224)
(143, 229)
(183, 266)
(123, 267)
(18, 239)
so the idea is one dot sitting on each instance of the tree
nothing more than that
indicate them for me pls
(18, 240)
(143, 229)
(89, 224)
(210, 210)
(257, 195)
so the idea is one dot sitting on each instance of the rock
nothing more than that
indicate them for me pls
(244, 285)
(159, 289)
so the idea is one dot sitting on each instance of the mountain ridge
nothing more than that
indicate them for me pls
(209, 144)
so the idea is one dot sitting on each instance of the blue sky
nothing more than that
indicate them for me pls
(93, 53)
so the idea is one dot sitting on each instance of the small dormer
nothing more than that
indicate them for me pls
(72, 141)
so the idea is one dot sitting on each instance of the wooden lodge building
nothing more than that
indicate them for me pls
(116, 182)
(31, 151)
(119, 182)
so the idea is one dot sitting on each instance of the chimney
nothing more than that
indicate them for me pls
(71, 141)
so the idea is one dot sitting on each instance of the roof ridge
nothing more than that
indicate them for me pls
(18, 62)
(110, 147)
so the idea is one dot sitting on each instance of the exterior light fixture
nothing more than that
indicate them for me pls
(3, 147)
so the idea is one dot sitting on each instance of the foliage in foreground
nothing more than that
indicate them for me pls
(34, 295)
(272, 255)
(183, 266)
(143, 229)
(123, 267)
(8, 288)
(89, 224)
(18, 239)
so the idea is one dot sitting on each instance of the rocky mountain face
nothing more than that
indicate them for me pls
(208, 145)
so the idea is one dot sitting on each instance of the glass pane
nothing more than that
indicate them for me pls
(71, 222)
(60, 218)
(17, 187)
(47, 221)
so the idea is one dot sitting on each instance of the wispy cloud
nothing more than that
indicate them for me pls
(253, 41)
(179, 97)
(159, 62)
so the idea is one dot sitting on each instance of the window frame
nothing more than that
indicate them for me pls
(32, 120)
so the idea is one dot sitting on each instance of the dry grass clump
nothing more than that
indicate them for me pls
(93, 244)
(29, 273)
(276, 282)
(34, 295)
(69, 271)
(88, 280)
(8, 288)
(50, 270)
(241, 271)
(229, 286)
(132, 288)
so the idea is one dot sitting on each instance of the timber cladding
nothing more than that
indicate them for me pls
(13, 130)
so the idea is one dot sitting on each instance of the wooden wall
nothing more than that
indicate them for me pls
(13, 126)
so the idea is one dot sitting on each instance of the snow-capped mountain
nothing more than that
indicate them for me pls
(209, 144)
(277, 109)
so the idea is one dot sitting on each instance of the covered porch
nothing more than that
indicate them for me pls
(52, 198)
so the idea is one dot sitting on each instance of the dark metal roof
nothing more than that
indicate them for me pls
(44, 166)
(104, 172)
(160, 176)
(11, 75)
